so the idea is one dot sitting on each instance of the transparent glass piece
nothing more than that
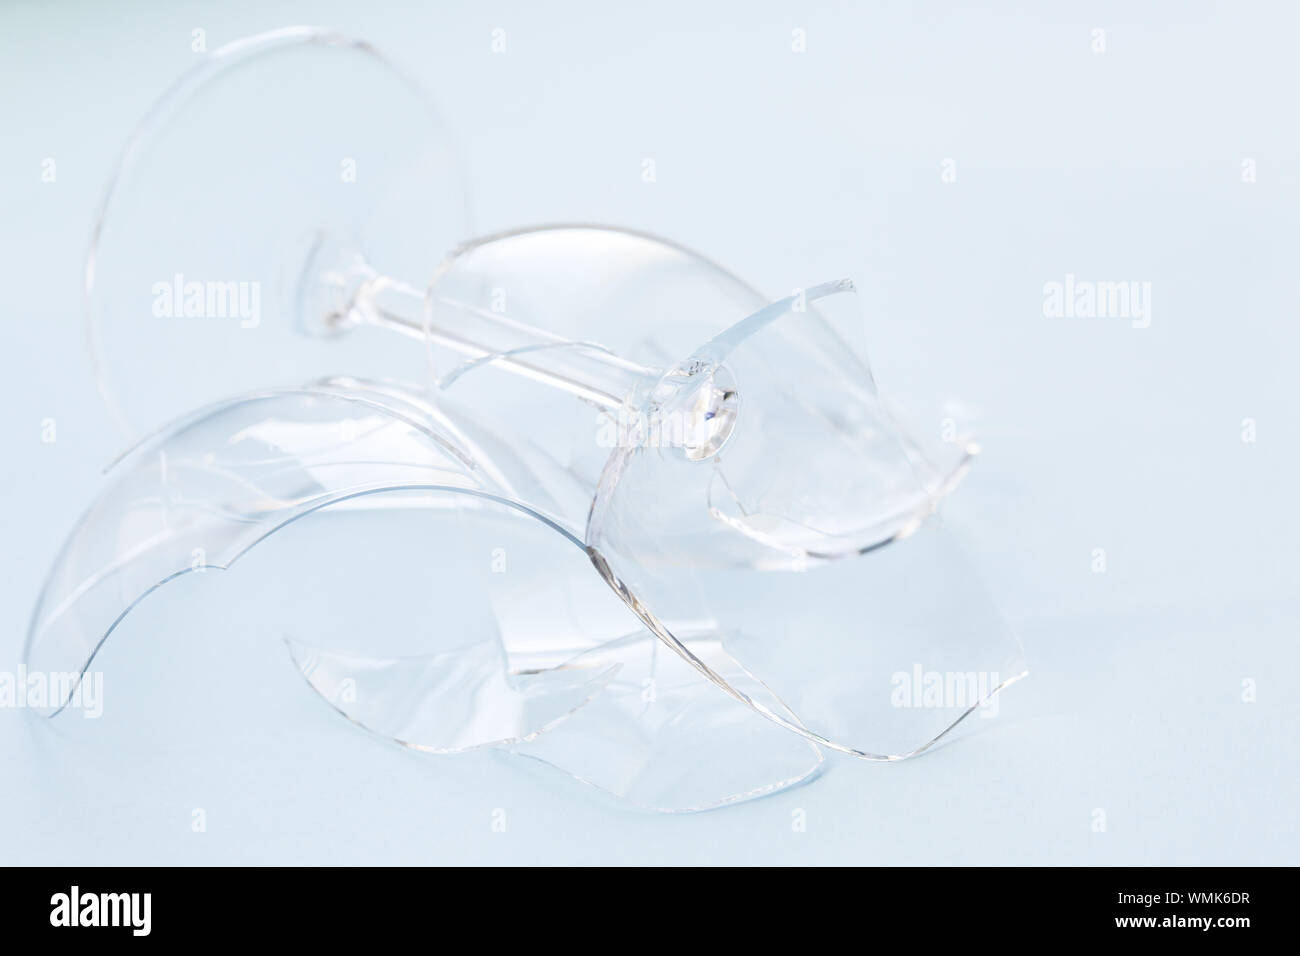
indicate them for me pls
(448, 702)
(626, 716)
(550, 335)
(199, 494)
(420, 623)
(644, 298)
(808, 543)
(653, 739)
(613, 309)
(756, 504)
(223, 226)
(413, 593)
(394, 616)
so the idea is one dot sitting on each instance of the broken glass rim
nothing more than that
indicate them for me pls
(42, 619)
(659, 629)
(597, 683)
(712, 354)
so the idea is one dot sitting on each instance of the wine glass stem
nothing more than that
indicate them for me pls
(482, 337)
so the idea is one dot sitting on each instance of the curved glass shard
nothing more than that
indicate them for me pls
(410, 618)
(414, 594)
(807, 542)
(626, 716)
(591, 313)
(653, 739)
(198, 495)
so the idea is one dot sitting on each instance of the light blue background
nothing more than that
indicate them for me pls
(791, 169)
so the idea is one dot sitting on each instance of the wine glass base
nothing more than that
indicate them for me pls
(275, 149)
